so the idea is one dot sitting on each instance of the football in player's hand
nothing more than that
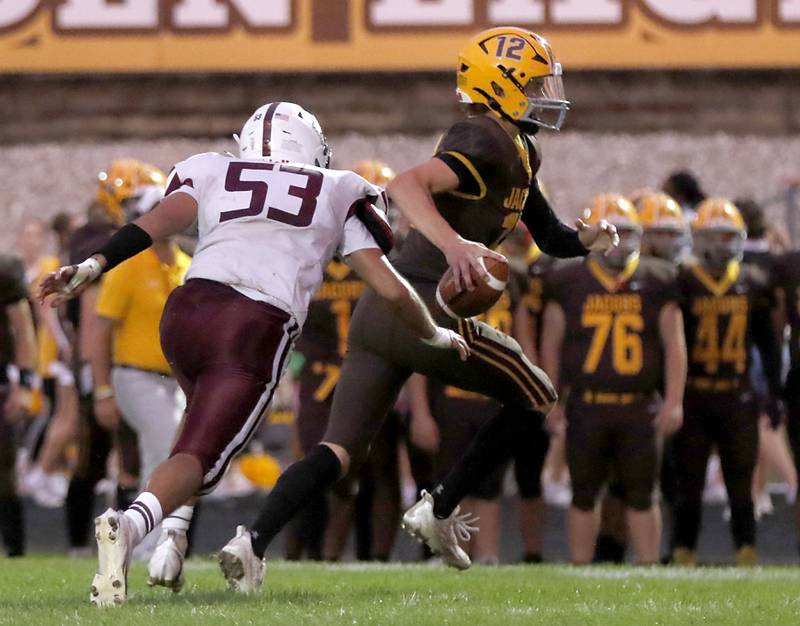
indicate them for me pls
(458, 302)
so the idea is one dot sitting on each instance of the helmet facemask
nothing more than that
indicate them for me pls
(663, 243)
(547, 102)
(716, 248)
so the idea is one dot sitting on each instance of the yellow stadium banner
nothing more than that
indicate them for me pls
(386, 35)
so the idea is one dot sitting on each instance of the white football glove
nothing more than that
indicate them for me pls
(445, 338)
(85, 272)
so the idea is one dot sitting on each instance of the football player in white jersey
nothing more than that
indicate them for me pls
(269, 222)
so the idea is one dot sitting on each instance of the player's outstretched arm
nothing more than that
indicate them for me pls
(413, 191)
(557, 239)
(378, 273)
(172, 215)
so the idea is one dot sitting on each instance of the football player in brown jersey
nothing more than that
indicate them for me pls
(664, 236)
(612, 335)
(663, 225)
(17, 348)
(480, 182)
(726, 308)
(786, 274)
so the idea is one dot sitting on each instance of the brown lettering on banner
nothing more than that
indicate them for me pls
(124, 35)
(330, 20)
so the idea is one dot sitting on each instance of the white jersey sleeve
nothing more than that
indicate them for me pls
(356, 235)
(190, 176)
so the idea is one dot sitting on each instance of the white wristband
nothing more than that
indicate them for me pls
(442, 338)
(85, 272)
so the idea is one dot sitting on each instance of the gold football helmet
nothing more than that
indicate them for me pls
(613, 208)
(718, 233)
(617, 210)
(718, 214)
(664, 225)
(374, 171)
(513, 72)
(658, 210)
(125, 180)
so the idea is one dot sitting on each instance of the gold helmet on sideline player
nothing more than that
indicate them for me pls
(513, 71)
(718, 232)
(664, 227)
(617, 210)
(125, 181)
(374, 171)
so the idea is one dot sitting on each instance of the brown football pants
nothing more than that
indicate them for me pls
(383, 353)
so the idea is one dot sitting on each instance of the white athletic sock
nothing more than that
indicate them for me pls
(179, 519)
(145, 514)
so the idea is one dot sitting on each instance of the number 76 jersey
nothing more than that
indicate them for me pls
(269, 229)
(612, 341)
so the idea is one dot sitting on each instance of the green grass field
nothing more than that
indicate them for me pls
(41, 590)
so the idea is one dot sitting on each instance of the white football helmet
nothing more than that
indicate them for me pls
(283, 132)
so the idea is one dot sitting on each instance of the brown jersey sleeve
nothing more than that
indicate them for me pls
(552, 235)
(469, 149)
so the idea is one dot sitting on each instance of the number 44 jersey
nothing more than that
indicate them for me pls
(723, 317)
(612, 341)
(268, 229)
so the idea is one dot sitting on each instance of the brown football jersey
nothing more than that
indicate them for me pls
(612, 340)
(718, 315)
(327, 325)
(495, 173)
(786, 274)
(12, 290)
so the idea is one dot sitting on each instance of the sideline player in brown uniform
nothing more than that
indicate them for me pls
(786, 274)
(322, 528)
(613, 325)
(663, 237)
(726, 308)
(17, 347)
(478, 185)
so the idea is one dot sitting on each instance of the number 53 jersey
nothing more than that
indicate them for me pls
(612, 341)
(269, 229)
(721, 316)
